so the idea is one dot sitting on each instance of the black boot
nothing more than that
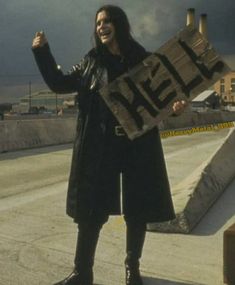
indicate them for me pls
(133, 274)
(77, 278)
(84, 258)
(134, 244)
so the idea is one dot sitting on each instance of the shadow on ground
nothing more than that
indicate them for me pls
(33, 151)
(157, 281)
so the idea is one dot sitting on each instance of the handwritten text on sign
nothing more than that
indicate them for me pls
(180, 70)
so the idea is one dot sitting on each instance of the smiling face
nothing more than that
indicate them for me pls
(106, 31)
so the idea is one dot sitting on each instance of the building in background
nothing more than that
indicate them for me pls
(225, 87)
(46, 101)
(205, 101)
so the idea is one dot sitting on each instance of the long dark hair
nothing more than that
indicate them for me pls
(122, 28)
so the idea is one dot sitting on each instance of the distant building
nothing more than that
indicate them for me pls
(225, 87)
(46, 101)
(207, 100)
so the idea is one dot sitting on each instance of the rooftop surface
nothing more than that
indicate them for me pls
(37, 239)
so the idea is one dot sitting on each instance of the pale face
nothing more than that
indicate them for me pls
(105, 30)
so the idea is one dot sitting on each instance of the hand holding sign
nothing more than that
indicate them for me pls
(179, 107)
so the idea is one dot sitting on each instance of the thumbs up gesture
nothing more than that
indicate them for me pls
(39, 40)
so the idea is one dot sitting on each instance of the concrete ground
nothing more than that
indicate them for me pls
(37, 239)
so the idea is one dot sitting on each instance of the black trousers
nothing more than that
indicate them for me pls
(120, 157)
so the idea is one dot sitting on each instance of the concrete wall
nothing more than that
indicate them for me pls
(189, 119)
(21, 134)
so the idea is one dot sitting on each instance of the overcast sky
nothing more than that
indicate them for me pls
(68, 25)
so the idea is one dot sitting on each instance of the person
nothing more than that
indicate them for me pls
(102, 150)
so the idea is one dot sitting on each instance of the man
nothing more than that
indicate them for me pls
(102, 150)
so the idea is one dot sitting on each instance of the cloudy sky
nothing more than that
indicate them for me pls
(68, 25)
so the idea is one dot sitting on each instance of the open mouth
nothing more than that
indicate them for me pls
(105, 33)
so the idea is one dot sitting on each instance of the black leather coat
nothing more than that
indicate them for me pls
(86, 78)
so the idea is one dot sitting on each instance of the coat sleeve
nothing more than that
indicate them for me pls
(56, 80)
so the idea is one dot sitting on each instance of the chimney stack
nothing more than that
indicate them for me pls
(203, 25)
(191, 17)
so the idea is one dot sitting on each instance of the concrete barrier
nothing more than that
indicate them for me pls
(197, 193)
(23, 134)
(189, 119)
(28, 133)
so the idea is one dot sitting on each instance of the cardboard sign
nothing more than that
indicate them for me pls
(180, 70)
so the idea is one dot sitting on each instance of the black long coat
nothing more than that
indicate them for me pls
(153, 201)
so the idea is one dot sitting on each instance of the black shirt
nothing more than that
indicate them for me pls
(116, 65)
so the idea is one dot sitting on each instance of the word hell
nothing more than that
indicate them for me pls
(154, 94)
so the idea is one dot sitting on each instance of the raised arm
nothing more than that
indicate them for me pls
(51, 72)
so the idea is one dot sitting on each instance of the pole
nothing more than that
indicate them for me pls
(56, 104)
(30, 98)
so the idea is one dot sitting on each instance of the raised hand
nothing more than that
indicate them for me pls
(39, 40)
